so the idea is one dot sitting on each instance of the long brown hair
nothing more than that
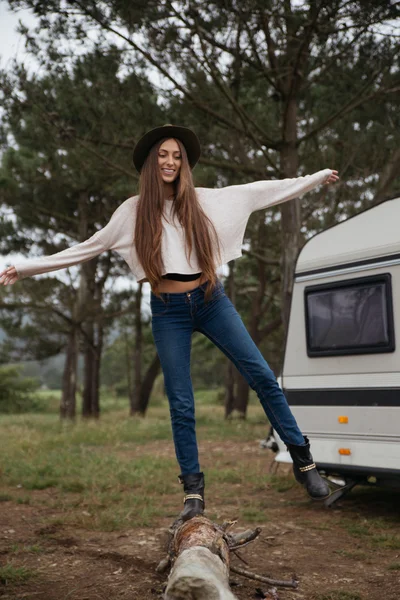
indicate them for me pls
(200, 232)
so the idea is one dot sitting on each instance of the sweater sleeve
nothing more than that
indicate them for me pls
(263, 194)
(103, 240)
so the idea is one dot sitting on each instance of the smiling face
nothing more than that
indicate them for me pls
(169, 160)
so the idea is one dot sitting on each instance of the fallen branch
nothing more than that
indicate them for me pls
(278, 582)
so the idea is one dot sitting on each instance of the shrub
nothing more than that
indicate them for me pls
(17, 394)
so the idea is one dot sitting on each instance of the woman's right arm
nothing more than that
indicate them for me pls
(101, 241)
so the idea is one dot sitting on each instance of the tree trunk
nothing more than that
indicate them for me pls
(229, 389)
(68, 398)
(290, 211)
(387, 177)
(93, 350)
(230, 368)
(128, 362)
(198, 551)
(135, 398)
(201, 569)
(89, 308)
(147, 386)
(88, 370)
(242, 396)
(96, 369)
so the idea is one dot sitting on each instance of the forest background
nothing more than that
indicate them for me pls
(273, 90)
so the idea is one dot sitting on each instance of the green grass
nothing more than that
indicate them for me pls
(370, 531)
(26, 549)
(113, 473)
(281, 483)
(99, 475)
(358, 529)
(255, 515)
(338, 595)
(10, 575)
(391, 541)
(5, 497)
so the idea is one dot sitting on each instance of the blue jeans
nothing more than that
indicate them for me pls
(174, 319)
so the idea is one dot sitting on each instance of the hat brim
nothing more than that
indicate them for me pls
(188, 138)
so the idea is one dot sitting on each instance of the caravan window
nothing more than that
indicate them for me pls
(350, 317)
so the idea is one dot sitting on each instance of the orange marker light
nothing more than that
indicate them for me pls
(345, 451)
(343, 419)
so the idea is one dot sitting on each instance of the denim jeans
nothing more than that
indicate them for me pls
(174, 319)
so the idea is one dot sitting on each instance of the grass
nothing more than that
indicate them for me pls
(5, 497)
(373, 531)
(391, 541)
(255, 515)
(99, 475)
(120, 472)
(338, 595)
(26, 549)
(11, 575)
(281, 483)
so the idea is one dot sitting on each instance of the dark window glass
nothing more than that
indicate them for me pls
(350, 317)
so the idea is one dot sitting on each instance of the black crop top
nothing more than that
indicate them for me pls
(180, 276)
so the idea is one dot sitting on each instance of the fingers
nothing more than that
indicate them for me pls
(333, 177)
(8, 276)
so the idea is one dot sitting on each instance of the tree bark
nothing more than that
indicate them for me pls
(290, 211)
(135, 397)
(229, 389)
(230, 398)
(68, 397)
(93, 350)
(242, 396)
(199, 552)
(87, 395)
(147, 385)
(387, 177)
(201, 567)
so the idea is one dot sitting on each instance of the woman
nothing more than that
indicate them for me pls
(175, 236)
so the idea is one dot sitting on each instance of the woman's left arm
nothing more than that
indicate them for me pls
(263, 194)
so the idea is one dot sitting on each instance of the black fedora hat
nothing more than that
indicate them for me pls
(188, 138)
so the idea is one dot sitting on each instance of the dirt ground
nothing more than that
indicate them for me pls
(349, 552)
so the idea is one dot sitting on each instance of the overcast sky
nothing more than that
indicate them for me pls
(11, 42)
(12, 46)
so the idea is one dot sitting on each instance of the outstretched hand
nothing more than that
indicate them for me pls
(333, 177)
(8, 276)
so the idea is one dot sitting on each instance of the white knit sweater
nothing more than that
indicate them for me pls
(228, 208)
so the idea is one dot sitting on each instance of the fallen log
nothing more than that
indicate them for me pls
(200, 557)
(199, 554)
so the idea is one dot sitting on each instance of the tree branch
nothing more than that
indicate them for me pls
(107, 161)
(167, 75)
(244, 117)
(270, 327)
(266, 261)
(277, 582)
(353, 103)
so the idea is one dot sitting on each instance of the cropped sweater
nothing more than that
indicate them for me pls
(228, 209)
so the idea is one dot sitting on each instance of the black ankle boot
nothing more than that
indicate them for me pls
(193, 484)
(306, 473)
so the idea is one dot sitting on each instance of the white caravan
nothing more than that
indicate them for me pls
(341, 372)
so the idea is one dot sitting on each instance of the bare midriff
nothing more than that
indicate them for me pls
(177, 287)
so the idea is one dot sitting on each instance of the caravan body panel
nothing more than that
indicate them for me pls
(347, 397)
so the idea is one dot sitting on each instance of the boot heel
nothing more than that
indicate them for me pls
(306, 473)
